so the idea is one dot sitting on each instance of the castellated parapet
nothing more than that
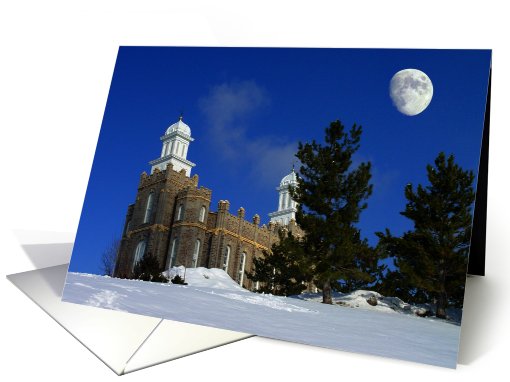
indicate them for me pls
(172, 219)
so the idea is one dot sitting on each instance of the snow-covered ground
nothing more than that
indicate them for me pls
(359, 299)
(212, 298)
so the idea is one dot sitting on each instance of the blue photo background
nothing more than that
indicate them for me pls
(248, 108)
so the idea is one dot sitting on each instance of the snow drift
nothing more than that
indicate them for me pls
(212, 298)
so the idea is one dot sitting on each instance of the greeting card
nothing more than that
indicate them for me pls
(321, 196)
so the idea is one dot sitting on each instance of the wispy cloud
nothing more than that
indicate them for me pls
(228, 108)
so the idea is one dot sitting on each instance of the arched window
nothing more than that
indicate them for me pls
(139, 252)
(177, 147)
(226, 258)
(148, 207)
(180, 213)
(128, 227)
(201, 217)
(196, 251)
(240, 274)
(173, 253)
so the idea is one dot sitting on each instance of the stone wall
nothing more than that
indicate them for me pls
(173, 191)
(164, 187)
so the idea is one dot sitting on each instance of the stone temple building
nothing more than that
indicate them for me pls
(172, 218)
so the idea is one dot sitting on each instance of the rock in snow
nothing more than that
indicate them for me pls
(372, 300)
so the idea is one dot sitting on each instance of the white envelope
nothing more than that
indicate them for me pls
(124, 342)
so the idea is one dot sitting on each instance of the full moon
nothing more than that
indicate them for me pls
(411, 91)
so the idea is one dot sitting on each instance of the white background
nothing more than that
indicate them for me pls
(56, 63)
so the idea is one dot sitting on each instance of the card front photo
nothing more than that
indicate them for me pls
(320, 196)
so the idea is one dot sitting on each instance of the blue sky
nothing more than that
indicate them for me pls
(247, 109)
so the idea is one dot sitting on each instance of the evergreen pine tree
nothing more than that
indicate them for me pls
(148, 269)
(330, 196)
(177, 279)
(282, 271)
(398, 284)
(366, 260)
(433, 257)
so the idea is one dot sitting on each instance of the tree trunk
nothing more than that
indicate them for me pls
(442, 304)
(442, 298)
(326, 293)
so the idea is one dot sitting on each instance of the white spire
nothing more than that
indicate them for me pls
(175, 148)
(287, 207)
(179, 126)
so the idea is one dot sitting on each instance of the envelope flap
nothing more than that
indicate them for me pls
(112, 336)
(173, 339)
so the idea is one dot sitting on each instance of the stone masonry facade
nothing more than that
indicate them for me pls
(173, 220)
